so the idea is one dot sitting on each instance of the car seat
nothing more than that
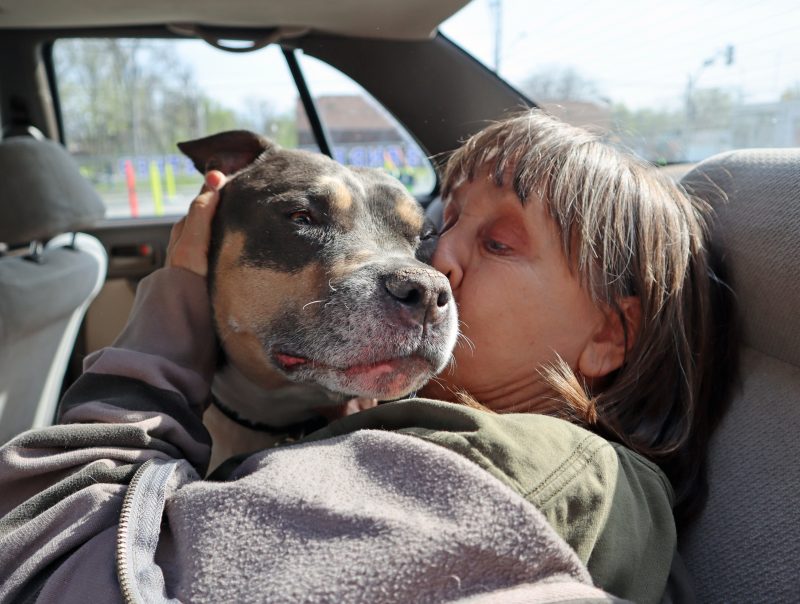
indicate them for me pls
(48, 275)
(745, 546)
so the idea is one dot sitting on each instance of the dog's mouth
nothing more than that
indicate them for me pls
(385, 379)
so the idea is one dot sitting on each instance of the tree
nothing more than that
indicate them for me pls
(93, 106)
(260, 116)
(132, 97)
(556, 84)
(652, 133)
(709, 109)
(791, 94)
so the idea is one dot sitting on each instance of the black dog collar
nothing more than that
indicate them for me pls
(294, 431)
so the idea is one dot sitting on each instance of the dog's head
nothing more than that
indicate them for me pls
(318, 273)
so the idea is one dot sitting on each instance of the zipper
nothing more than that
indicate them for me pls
(123, 572)
(138, 531)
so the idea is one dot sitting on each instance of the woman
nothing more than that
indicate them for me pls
(636, 252)
(596, 369)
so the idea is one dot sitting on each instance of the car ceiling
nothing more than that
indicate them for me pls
(389, 19)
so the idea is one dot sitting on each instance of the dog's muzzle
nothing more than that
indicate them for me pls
(383, 331)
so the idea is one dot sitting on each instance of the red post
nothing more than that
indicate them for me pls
(130, 177)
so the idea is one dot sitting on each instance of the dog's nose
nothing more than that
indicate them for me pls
(422, 294)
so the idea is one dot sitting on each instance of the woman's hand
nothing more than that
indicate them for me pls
(191, 235)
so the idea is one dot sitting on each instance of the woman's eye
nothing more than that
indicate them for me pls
(301, 217)
(495, 247)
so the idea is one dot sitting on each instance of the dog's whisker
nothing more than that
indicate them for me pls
(439, 381)
(451, 365)
(312, 302)
(464, 340)
(331, 285)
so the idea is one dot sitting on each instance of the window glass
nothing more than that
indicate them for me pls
(675, 81)
(125, 103)
(362, 132)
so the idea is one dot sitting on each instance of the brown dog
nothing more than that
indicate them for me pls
(320, 289)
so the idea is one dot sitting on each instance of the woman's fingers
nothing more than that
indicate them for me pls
(174, 237)
(190, 237)
(214, 179)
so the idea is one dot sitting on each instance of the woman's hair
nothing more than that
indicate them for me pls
(628, 230)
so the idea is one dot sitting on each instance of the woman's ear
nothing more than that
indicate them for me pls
(605, 352)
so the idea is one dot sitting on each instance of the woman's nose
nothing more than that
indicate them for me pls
(446, 259)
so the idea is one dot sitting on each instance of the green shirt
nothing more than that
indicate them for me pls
(612, 506)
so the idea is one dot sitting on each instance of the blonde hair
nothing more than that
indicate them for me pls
(628, 230)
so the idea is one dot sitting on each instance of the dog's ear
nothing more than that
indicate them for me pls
(227, 152)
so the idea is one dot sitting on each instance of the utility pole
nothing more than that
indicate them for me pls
(496, 7)
(728, 54)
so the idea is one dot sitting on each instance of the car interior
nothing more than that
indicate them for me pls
(76, 234)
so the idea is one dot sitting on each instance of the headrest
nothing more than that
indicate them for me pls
(43, 193)
(756, 194)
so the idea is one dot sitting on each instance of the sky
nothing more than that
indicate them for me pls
(640, 53)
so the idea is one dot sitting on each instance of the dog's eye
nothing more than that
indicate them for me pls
(301, 217)
(428, 231)
(427, 234)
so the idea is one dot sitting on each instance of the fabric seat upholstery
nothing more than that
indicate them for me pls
(745, 547)
(42, 302)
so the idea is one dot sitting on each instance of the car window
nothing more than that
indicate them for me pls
(362, 132)
(675, 82)
(126, 102)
